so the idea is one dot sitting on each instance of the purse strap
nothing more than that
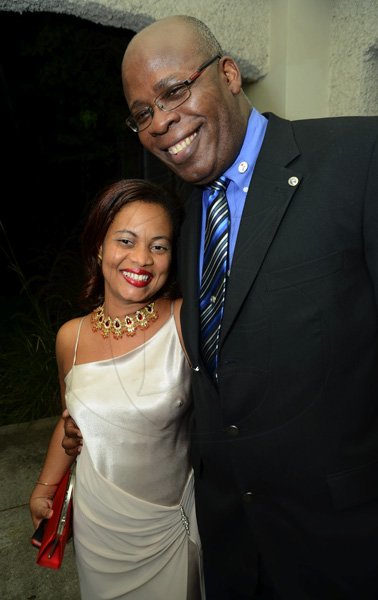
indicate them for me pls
(64, 512)
(66, 503)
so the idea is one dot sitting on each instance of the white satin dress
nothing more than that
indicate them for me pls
(135, 529)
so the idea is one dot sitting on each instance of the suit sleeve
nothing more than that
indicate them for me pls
(371, 219)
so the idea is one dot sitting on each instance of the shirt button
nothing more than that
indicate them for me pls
(180, 403)
(248, 497)
(243, 166)
(232, 431)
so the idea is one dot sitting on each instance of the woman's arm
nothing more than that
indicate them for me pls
(57, 461)
(55, 465)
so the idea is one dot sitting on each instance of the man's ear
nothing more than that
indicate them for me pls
(231, 73)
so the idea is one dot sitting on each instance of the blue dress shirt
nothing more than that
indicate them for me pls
(240, 176)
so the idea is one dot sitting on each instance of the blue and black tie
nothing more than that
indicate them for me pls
(214, 271)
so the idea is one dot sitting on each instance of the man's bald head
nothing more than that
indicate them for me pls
(201, 136)
(173, 29)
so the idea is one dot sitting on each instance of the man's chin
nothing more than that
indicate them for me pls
(188, 172)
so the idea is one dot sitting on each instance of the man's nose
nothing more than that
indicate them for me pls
(162, 120)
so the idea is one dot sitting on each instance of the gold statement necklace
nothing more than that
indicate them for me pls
(139, 320)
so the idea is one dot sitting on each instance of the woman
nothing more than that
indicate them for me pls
(125, 380)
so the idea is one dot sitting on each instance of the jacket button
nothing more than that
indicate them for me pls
(247, 497)
(232, 431)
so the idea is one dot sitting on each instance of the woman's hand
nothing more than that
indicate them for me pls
(40, 508)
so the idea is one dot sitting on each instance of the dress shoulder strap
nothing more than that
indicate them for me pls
(77, 339)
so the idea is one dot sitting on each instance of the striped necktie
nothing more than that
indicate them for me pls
(214, 272)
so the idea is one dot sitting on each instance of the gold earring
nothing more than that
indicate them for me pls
(99, 259)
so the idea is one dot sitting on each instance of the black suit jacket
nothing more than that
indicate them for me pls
(285, 447)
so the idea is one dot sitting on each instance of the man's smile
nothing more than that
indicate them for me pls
(182, 144)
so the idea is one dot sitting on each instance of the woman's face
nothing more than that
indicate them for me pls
(137, 253)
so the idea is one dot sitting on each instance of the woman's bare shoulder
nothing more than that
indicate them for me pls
(177, 304)
(67, 333)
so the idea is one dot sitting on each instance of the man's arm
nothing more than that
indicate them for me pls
(72, 441)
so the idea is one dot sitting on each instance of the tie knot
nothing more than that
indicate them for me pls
(220, 184)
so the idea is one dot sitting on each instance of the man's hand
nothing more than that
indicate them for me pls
(72, 441)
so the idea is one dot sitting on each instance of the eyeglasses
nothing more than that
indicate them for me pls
(168, 100)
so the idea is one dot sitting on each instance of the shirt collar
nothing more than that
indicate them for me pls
(240, 172)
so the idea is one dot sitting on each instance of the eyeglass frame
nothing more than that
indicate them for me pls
(187, 83)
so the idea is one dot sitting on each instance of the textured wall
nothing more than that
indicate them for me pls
(353, 70)
(298, 57)
(249, 18)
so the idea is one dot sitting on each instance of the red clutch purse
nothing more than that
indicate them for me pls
(58, 529)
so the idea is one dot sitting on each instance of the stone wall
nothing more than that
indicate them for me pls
(299, 58)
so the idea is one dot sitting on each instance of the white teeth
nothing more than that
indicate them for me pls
(135, 276)
(181, 145)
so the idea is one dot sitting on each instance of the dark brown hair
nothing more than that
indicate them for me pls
(105, 206)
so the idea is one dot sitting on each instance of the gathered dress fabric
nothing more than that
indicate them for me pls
(135, 528)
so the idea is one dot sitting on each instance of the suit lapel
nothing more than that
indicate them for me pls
(189, 246)
(268, 198)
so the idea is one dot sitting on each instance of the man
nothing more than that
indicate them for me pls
(285, 439)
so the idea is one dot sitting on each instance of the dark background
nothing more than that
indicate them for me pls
(63, 137)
